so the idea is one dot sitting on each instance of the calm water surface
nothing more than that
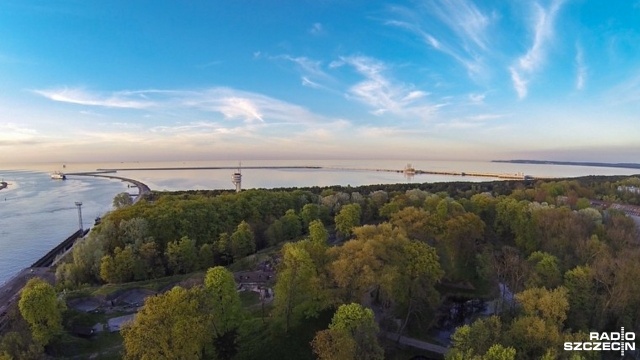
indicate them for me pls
(39, 213)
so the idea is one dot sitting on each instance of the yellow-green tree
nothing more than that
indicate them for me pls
(182, 256)
(169, 326)
(298, 293)
(352, 335)
(242, 241)
(224, 309)
(40, 307)
(347, 219)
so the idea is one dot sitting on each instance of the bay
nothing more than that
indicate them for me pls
(39, 212)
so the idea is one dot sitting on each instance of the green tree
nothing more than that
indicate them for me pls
(317, 245)
(549, 305)
(318, 234)
(351, 335)
(40, 307)
(545, 270)
(580, 288)
(473, 340)
(121, 267)
(206, 257)
(169, 326)
(18, 345)
(297, 290)
(309, 213)
(122, 200)
(182, 256)
(242, 241)
(291, 225)
(225, 310)
(499, 352)
(347, 219)
(460, 244)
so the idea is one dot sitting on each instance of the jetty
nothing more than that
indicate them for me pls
(409, 170)
(143, 189)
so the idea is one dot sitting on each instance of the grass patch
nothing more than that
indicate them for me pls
(249, 298)
(106, 345)
(263, 341)
(153, 284)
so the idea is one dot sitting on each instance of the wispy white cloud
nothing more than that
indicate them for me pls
(626, 92)
(82, 97)
(477, 99)
(14, 134)
(532, 60)
(485, 117)
(464, 36)
(383, 94)
(316, 29)
(464, 19)
(306, 65)
(581, 68)
(307, 82)
(232, 104)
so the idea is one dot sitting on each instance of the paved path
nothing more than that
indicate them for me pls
(419, 344)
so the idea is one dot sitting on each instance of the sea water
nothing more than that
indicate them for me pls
(37, 213)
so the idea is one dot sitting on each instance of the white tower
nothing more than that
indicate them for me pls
(236, 178)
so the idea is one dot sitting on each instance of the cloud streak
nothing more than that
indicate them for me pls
(543, 31)
(581, 68)
(232, 104)
(463, 34)
(384, 95)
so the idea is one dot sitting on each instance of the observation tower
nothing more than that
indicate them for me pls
(236, 179)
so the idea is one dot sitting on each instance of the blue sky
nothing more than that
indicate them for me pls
(322, 79)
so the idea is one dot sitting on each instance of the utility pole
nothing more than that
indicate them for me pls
(79, 205)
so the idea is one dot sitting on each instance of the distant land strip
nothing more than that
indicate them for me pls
(407, 171)
(572, 163)
(212, 168)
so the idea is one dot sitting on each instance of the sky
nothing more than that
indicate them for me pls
(319, 79)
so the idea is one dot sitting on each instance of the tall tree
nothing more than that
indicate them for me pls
(182, 256)
(40, 307)
(242, 241)
(297, 289)
(545, 270)
(122, 200)
(169, 326)
(351, 335)
(291, 225)
(347, 219)
(225, 310)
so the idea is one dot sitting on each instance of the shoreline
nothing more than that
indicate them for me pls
(11, 287)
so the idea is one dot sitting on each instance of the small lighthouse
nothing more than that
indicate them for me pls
(236, 179)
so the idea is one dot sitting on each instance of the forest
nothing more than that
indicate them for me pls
(356, 268)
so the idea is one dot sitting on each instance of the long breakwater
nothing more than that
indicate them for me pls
(406, 171)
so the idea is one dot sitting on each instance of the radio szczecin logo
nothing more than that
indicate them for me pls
(613, 341)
